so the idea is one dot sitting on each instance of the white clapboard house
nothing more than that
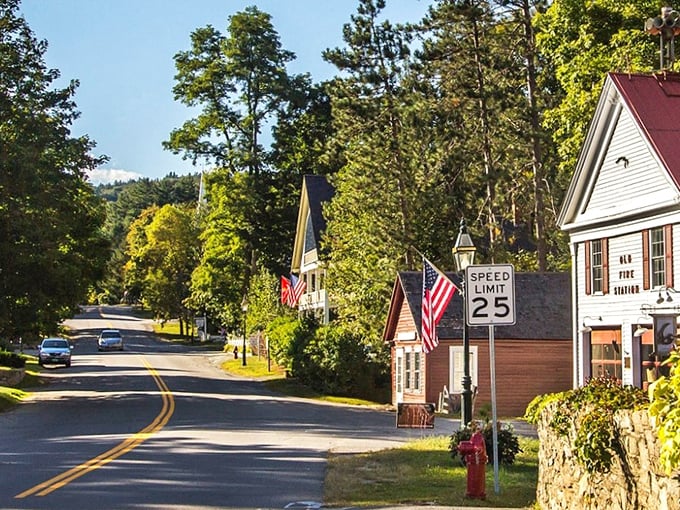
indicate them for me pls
(622, 214)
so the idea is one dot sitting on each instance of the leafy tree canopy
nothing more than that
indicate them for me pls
(50, 220)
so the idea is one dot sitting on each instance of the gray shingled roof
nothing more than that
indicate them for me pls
(542, 307)
(319, 191)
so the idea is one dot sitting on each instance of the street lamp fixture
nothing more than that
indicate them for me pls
(464, 255)
(244, 308)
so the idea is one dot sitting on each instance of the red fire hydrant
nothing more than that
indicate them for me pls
(474, 453)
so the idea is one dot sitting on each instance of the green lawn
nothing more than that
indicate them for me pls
(170, 332)
(423, 472)
(11, 396)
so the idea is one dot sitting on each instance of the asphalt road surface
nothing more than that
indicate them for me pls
(160, 426)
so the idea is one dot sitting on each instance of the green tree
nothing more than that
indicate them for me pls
(579, 42)
(163, 251)
(390, 192)
(218, 283)
(239, 82)
(480, 85)
(519, 22)
(125, 202)
(264, 303)
(240, 85)
(50, 220)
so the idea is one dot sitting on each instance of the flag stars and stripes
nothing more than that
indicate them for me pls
(437, 292)
(292, 290)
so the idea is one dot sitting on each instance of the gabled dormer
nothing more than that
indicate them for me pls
(629, 166)
(308, 257)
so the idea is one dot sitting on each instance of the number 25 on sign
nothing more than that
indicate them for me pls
(490, 295)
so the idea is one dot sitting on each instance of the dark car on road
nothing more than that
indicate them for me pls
(55, 351)
(110, 340)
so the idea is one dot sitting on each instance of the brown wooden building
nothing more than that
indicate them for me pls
(533, 357)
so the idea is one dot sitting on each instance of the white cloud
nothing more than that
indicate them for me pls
(109, 175)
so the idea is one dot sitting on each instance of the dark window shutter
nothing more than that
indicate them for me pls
(668, 246)
(588, 275)
(645, 259)
(605, 266)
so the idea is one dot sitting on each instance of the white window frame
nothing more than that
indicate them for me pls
(399, 374)
(657, 257)
(413, 370)
(456, 368)
(596, 266)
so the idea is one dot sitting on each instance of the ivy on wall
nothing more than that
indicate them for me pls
(585, 415)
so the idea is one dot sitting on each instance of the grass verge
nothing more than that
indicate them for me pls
(423, 472)
(10, 396)
(275, 379)
(170, 331)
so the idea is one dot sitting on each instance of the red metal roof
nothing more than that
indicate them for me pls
(654, 100)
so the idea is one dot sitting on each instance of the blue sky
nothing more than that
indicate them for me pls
(122, 52)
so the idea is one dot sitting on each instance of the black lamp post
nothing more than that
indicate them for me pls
(244, 307)
(464, 256)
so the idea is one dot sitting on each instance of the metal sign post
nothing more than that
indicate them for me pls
(490, 301)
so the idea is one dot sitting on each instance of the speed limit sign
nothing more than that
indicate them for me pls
(490, 295)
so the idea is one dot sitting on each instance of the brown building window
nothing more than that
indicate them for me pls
(412, 372)
(399, 374)
(657, 257)
(597, 266)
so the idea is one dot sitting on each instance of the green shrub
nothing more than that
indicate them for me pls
(329, 359)
(586, 416)
(508, 442)
(287, 339)
(12, 360)
(337, 362)
(665, 410)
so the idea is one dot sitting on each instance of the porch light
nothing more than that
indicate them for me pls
(584, 327)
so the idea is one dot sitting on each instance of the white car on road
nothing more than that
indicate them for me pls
(110, 340)
(55, 351)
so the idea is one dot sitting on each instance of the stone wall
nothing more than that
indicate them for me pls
(11, 377)
(635, 481)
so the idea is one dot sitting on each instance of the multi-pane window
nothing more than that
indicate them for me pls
(596, 265)
(657, 257)
(407, 371)
(416, 371)
(412, 371)
(605, 359)
(400, 374)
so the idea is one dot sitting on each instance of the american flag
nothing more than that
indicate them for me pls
(299, 285)
(437, 292)
(285, 290)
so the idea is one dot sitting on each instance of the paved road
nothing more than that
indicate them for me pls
(162, 427)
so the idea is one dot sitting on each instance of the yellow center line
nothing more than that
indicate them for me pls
(48, 486)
